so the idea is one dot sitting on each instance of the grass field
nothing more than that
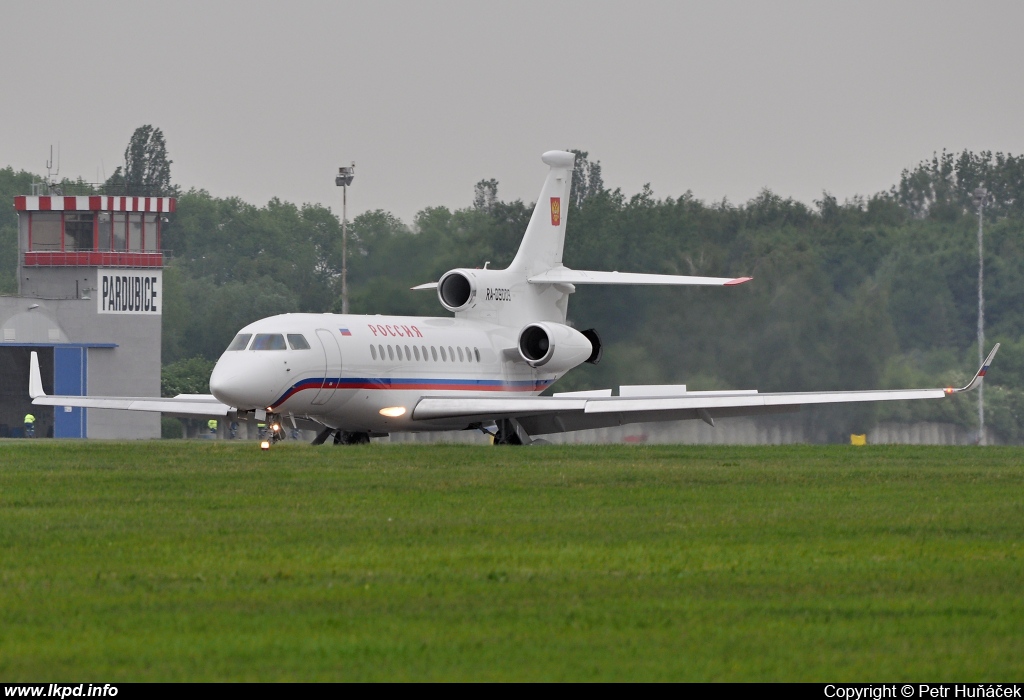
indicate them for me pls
(198, 560)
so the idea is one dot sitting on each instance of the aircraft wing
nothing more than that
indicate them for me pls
(540, 415)
(182, 405)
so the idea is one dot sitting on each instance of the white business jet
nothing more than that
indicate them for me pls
(357, 377)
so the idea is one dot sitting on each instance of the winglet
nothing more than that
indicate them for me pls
(738, 280)
(980, 375)
(35, 378)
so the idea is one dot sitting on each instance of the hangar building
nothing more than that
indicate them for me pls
(90, 300)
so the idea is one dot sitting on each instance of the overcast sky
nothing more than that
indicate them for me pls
(263, 99)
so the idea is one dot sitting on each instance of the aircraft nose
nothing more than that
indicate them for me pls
(227, 386)
(237, 387)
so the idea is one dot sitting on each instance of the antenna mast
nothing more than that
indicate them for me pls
(51, 176)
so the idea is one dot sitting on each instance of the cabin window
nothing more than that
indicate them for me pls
(451, 353)
(425, 356)
(268, 341)
(444, 357)
(408, 355)
(240, 341)
(373, 352)
(476, 353)
(461, 358)
(416, 350)
(391, 353)
(433, 351)
(298, 342)
(398, 351)
(380, 348)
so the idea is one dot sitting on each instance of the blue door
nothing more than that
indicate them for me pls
(69, 379)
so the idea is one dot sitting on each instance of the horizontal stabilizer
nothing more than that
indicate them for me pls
(563, 275)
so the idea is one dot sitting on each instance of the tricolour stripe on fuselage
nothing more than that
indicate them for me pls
(422, 384)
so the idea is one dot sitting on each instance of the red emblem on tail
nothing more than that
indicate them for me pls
(556, 211)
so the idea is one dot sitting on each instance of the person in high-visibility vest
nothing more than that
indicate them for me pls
(212, 425)
(30, 425)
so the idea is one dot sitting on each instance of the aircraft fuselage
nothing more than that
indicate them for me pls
(343, 370)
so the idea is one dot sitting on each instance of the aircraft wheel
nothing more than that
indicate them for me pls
(507, 434)
(345, 438)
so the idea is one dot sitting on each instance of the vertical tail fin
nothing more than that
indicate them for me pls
(542, 244)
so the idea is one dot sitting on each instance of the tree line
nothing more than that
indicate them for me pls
(873, 292)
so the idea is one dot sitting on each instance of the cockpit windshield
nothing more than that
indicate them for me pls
(240, 341)
(269, 341)
(298, 342)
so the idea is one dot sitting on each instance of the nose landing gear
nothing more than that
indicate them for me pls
(270, 431)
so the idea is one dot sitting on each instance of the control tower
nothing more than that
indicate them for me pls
(90, 303)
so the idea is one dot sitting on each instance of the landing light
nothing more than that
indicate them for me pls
(949, 390)
(275, 427)
(265, 445)
(393, 411)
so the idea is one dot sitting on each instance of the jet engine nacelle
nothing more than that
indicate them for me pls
(456, 289)
(554, 346)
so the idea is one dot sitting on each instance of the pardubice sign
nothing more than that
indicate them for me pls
(130, 291)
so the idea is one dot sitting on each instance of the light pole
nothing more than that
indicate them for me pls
(343, 180)
(980, 195)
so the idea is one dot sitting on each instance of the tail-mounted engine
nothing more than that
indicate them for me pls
(504, 297)
(456, 290)
(557, 347)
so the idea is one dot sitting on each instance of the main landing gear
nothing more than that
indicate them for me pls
(342, 437)
(510, 432)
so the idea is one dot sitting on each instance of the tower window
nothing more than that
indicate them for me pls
(45, 231)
